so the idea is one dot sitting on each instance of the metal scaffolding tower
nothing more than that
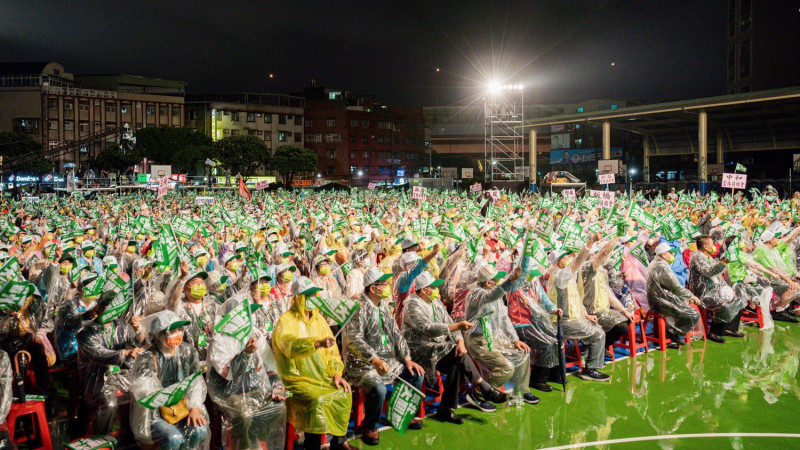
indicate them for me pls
(504, 148)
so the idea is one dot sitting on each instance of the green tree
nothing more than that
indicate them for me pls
(242, 154)
(182, 148)
(22, 153)
(113, 159)
(290, 160)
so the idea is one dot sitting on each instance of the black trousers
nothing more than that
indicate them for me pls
(720, 328)
(616, 332)
(455, 369)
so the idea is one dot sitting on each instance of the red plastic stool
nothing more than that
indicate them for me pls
(41, 431)
(753, 317)
(291, 435)
(661, 339)
(702, 332)
(630, 340)
(574, 360)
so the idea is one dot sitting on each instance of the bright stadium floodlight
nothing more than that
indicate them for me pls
(494, 87)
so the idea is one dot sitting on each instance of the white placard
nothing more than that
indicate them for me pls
(466, 172)
(606, 178)
(32, 199)
(569, 195)
(475, 187)
(494, 194)
(204, 200)
(262, 185)
(418, 192)
(734, 180)
(606, 197)
(371, 186)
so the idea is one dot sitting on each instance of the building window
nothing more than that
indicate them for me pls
(251, 132)
(53, 124)
(732, 62)
(176, 111)
(258, 132)
(83, 106)
(226, 131)
(163, 110)
(69, 125)
(67, 104)
(52, 103)
(330, 153)
(251, 117)
(380, 139)
(365, 154)
(353, 169)
(150, 110)
(289, 117)
(330, 170)
(234, 116)
(282, 136)
(267, 118)
(353, 155)
(353, 122)
(83, 127)
(234, 132)
(365, 123)
(333, 137)
(298, 137)
(744, 15)
(365, 139)
(268, 135)
(111, 107)
(193, 114)
(380, 155)
(125, 108)
(282, 119)
(298, 120)
(353, 138)
(330, 121)
(744, 59)
(308, 123)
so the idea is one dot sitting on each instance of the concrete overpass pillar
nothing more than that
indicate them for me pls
(532, 156)
(702, 148)
(646, 159)
(606, 140)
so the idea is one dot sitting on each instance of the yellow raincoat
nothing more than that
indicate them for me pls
(316, 406)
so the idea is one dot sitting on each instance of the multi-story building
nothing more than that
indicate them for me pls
(763, 45)
(76, 116)
(278, 119)
(360, 141)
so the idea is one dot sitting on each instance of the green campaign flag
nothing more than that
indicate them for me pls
(447, 229)
(616, 256)
(544, 225)
(166, 249)
(486, 328)
(121, 302)
(671, 227)
(534, 250)
(594, 227)
(93, 443)
(614, 216)
(403, 405)
(14, 293)
(689, 228)
(575, 240)
(644, 218)
(169, 395)
(733, 251)
(508, 238)
(185, 227)
(340, 310)
(238, 323)
(740, 168)
(639, 253)
(567, 225)
(10, 270)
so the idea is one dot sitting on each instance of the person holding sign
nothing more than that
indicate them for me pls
(375, 352)
(311, 369)
(107, 348)
(243, 378)
(168, 410)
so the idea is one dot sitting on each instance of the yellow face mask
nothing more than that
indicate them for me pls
(198, 291)
(131, 249)
(202, 261)
(65, 269)
(386, 292)
(264, 289)
(324, 270)
(287, 276)
(434, 293)
(89, 253)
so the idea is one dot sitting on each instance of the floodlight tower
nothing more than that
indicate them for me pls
(504, 151)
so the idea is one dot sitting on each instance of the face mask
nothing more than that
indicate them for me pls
(303, 242)
(386, 292)
(202, 261)
(264, 289)
(285, 260)
(90, 232)
(174, 339)
(311, 303)
(434, 293)
(287, 276)
(88, 253)
(198, 291)
(131, 249)
(234, 267)
(324, 270)
(90, 298)
(79, 239)
(65, 269)
(671, 258)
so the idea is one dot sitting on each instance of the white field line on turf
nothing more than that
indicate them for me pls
(667, 437)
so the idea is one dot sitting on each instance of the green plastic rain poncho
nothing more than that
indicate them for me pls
(316, 406)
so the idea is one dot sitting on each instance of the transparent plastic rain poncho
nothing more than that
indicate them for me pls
(482, 301)
(68, 322)
(280, 302)
(100, 347)
(359, 259)
(201, 322)
(361, 341)
(668, 298)
(707, 284)
(55, 289)
(636, 280)
(596, 293)
(531, 306)
(565, 291)
(316, 405)
(425, 328)
(148, 294)
(242, 386)
(465, 276)
(152, 371)
(6, 379)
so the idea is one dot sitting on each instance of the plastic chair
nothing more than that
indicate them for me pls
(575, 359)
(702, 331)
(753, 317)
(40, 434)
(291, 435)
(659, 327)
(630, 341)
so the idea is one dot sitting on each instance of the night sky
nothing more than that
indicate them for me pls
(561, 50)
